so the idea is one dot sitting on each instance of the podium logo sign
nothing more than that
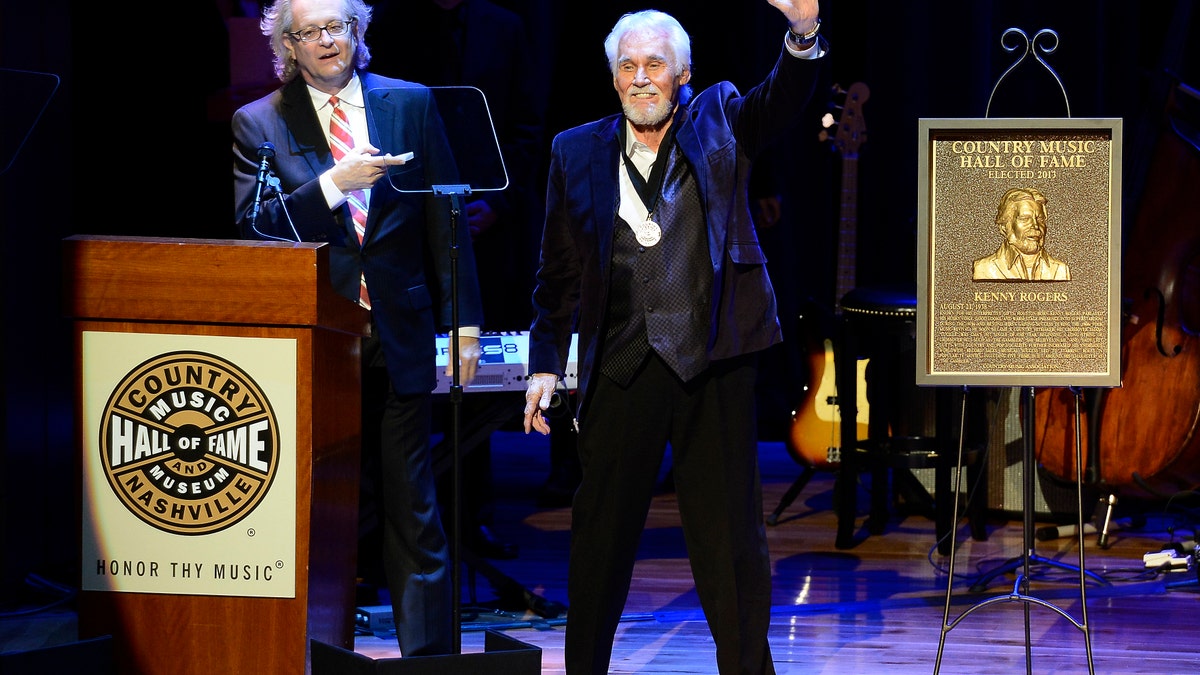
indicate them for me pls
(189, 443)
(189, 471)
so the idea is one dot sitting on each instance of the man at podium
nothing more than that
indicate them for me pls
(307, 166)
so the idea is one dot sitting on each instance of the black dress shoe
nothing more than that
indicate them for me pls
(485, 544)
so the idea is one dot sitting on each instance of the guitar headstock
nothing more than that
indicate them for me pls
(851, 131)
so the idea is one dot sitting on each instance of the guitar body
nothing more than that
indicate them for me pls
(815, 436)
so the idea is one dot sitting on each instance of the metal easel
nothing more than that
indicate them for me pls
(1021, 592)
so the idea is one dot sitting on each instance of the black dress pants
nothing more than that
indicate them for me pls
(710, 425)
(398, 483)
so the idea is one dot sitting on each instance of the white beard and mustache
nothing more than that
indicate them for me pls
(651, 116)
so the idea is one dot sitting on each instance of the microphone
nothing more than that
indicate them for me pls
(560, 401)
(1061, 531)
(266, 152)
(1104, 518)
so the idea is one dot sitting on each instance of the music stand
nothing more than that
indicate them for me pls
(999, 320)
(456, 155)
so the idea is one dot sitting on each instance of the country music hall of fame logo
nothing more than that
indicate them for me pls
(189, 443)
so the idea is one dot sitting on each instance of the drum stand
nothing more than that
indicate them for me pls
(1020, 591)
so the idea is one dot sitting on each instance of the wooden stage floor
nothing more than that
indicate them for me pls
(876, 607)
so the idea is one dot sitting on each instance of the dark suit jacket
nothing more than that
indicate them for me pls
(405, 254)
(719, 135)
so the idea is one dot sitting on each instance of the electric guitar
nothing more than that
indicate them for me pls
(816, 425)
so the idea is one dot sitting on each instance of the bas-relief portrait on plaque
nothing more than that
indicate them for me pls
(1022, 254)
(1019, 252)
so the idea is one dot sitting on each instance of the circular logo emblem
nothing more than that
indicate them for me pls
(189, 443)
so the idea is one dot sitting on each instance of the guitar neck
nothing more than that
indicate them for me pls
(847, 228)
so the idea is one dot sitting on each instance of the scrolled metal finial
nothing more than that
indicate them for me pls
(1024, 45)
(1037, 40)
(1039, 43)
(1024, 41)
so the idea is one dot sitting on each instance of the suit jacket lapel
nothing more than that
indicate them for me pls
(689, 142)
(381, 137)
(306, 137)
(604, 158)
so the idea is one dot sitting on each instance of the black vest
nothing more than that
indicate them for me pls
(659, 295)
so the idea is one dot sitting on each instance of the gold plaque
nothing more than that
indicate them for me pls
(1018, 254)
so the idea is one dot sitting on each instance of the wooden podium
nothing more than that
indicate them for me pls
(146, 289)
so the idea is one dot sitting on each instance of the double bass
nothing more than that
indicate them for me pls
(1145, 435)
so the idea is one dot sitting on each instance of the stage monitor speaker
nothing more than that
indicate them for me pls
(1054, 499)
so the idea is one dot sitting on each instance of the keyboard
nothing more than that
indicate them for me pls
(504, 365)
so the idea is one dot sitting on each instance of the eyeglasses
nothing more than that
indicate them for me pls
(335, 28)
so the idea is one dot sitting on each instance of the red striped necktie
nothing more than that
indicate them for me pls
(340, 142)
